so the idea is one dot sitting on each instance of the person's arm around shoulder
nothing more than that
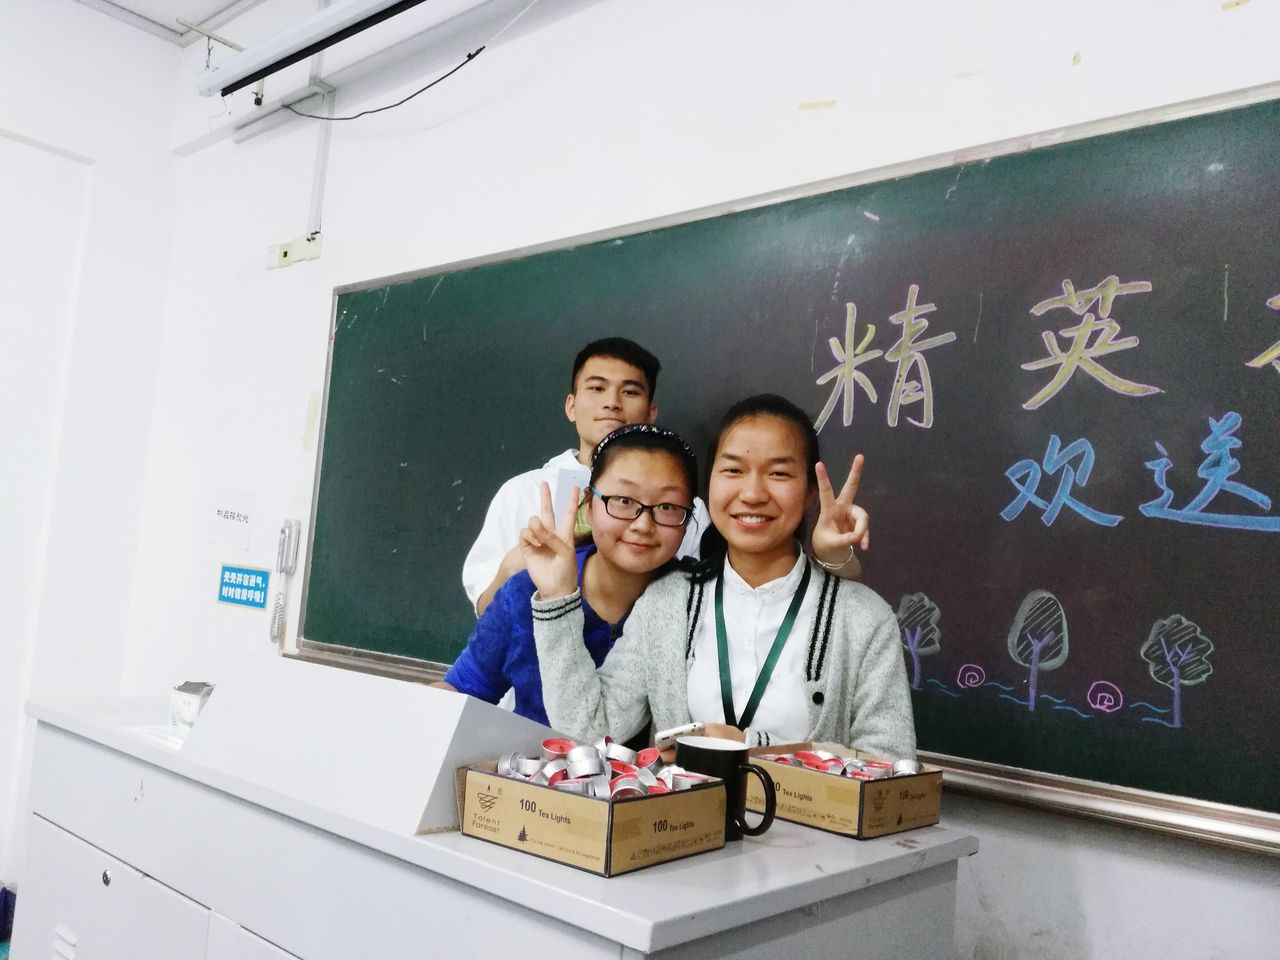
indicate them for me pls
(480, 670)
(842, 527)
(495, 554)
(882, 722)
(580, 701)
(512, 563)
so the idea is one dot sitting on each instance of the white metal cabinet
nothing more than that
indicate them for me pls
(230, 941)
(167, 925)
(79, 902)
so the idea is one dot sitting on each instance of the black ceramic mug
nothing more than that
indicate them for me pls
(727, 759)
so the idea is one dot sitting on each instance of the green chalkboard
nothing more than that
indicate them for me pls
(1099, 316)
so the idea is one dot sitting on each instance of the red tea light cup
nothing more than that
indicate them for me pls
(623, 788)
(878, 768)
(616, 751)
(835, 765)
(859, 775)
(623, 768)
(556, 748)
(555, 771)
(650, 758)
(657, 787)
(526, 767)
(810, 759)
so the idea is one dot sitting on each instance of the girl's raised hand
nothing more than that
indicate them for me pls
(842, 524)
(548, 548)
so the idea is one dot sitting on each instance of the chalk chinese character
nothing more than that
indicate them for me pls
(1025, 476)
(1216, 470)
(1081, 354)
(847, 374)
(908, 353)
(1271, 355)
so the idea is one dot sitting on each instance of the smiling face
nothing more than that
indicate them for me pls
(608, 393)
(649, 476)
(758, 491)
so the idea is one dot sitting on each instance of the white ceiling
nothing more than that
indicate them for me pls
(160, 17)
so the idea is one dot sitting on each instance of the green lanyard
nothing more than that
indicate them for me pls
(766, 671)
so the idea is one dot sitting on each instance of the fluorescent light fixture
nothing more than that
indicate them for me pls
(302, 40)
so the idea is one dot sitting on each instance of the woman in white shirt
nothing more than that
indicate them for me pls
(758, 643)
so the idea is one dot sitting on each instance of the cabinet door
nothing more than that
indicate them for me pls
(167, 925)
(79, 902)
(75, 901)
(230, 941)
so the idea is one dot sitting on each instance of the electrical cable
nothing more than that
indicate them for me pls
(391, 106)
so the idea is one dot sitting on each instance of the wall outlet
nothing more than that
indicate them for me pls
(300, 248)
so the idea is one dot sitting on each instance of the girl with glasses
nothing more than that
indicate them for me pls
(757, 642)
(639, 501)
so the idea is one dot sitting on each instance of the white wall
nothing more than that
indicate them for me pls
(589, 115)
(84, 230)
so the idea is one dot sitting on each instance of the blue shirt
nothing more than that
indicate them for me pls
(501, 654)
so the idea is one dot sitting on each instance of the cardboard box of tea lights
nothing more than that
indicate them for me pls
(864, 799)
(603, 834)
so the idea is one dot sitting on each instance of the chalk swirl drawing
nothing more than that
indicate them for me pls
(1177, 656)
(971, 675)
(1105, 697)
(1038, 638)
(918, 618)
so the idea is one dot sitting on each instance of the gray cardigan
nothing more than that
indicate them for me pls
(855, 678)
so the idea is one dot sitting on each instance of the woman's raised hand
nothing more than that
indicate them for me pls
(548, 548)
(842, 524)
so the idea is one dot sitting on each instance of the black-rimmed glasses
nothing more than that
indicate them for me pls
(628, 508)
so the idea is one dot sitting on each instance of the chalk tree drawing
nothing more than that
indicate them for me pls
(918, 618)
(1038, 638)
(1177, 655)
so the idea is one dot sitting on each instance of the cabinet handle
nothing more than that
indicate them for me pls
(106, 878)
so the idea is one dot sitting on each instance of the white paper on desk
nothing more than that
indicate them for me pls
(566, 479)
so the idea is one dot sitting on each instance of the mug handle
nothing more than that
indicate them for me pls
(770, 802)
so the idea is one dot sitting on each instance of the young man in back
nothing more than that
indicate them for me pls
(613, 384)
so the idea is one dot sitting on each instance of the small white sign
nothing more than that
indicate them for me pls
(231, 517)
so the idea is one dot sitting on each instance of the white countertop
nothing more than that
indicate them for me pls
(788, 868)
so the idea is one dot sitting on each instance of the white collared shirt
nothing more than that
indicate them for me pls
(752, 617)
(520, 498)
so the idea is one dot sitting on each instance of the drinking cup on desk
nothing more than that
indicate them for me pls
(727, 759)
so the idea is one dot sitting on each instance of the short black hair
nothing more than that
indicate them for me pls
(618, 348)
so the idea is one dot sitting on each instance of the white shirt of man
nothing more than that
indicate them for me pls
(752, 617)
(521, 498)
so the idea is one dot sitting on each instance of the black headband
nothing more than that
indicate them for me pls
(651, 429)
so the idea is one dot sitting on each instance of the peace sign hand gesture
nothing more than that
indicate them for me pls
(548, 548)
(842, 524)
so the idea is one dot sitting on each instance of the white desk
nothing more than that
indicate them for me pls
(208, 865)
